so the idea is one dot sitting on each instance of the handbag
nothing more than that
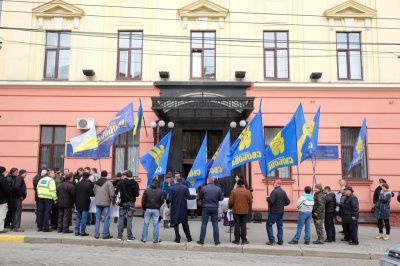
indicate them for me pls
(373, 209)
(229, 215)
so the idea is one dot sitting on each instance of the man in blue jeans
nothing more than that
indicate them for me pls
(211, 195)
(152, 200)
(129, 191)
(276, 201)
(104, 195)
(305, 205)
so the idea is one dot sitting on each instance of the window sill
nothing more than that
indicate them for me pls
(359, 182)
(276, 79)
(53, 79)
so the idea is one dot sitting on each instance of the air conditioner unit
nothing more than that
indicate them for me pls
(84, 123)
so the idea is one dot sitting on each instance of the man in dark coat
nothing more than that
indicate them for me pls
(153, 198)
(350, 215)
(18, 194)
(276, 201)
(330, 211)
(83, 192)
(10, 204)
(178, 196)
(66, 196)
(4, 196)
(210, 195)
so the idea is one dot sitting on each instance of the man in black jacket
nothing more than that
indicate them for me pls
(4, 196)
(277, 201)
(129, 190)
(66, 196)
(83, 192)
(18, 194)
(152, 200)
(10, 204)
(350, 215)
(330, 210)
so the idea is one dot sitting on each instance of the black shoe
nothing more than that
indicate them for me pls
(353, 243)
(68, 232)
(328, 241)
(200, 243)
(144, 241)
(217, 243)
(236, 242)
(294, 242)
(189, 239)
(245, 242)
(345, 239)
(77, 234)
(85, 234)
(341, 232)
(280, 243)
(96, 237)
(107, 237)
(177, 241)
(317, 242)
(307, 242)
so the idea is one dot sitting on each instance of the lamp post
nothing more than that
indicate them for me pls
(158, 129)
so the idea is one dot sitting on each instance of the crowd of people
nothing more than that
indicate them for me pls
(58, 194)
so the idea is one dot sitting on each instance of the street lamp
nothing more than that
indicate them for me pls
(158, 129)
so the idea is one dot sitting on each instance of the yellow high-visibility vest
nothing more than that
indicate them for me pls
(46, 188)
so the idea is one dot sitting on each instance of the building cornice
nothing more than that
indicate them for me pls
(324, 86)
(76, 84)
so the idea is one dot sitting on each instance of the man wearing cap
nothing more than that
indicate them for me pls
(18, 194)
(319, 213)
(104, 195)
(4, 196)
(350, 215)
(276, 201)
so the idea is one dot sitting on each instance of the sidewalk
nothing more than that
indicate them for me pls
(369, 248)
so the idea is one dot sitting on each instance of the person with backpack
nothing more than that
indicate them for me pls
(129, 191)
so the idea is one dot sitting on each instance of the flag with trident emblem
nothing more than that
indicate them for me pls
(155, 161)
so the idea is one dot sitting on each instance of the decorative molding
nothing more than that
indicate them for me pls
(350, 9)
(57, 8)
(203, 8)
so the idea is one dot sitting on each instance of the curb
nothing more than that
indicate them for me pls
(226, 248)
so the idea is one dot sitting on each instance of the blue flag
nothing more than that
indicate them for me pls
(218, 165)
(249, 146)
(283, 149)
(198, 173)
(311, 142)
(155, 161)
(359, 146)
(121, 123)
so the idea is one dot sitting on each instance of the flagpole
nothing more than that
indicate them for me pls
(100, 164)
(314, 180)
(144, 121)
(298, 182)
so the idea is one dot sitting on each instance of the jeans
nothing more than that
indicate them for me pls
(80, 223)
(150, 213)
(303, 219)
(106, 226)
(206, 213)
(3, 213)
(44, 213)
(240, 227)
(126, 210)
(278, 219)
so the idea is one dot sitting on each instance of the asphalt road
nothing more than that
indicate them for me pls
(58, 254)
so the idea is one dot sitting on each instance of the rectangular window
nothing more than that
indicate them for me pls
(348, 45)
(58, 46)
(202, 55)
(348, 139)
(126, 153)
(276, 55)
(52, 146)
(284, 172)
(130, 53)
